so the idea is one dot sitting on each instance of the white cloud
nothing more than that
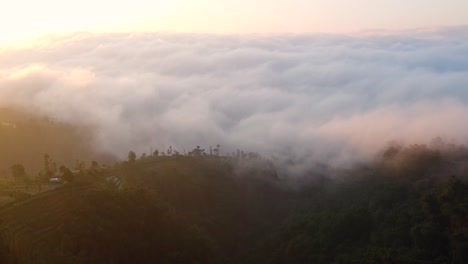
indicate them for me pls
(327, 96)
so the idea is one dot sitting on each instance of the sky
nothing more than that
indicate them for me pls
(23, 19)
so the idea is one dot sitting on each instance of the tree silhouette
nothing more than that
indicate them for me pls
(169, 151)
(217, 149)
(131, 157)
(197, 152)
(67, 175)
(94, 164)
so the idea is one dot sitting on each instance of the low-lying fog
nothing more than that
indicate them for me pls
(326, 97)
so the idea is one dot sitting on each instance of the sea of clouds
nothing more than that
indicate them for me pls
(332, 98)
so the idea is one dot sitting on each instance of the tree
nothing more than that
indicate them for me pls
(94, 164)
(131, 157)
(169, 151)
(67, 175)
(80, 166)
(217, 149)
(156, 153)
(197, 152)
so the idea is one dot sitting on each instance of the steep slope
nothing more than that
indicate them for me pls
(28, 227)
(91, 224)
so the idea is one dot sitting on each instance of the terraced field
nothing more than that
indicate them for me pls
(10, 194)
(29, 227)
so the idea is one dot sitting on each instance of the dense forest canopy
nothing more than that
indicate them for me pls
(409, 205)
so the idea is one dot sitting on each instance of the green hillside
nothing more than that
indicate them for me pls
(408, 206)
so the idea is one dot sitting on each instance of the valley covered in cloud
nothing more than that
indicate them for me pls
(324, 97)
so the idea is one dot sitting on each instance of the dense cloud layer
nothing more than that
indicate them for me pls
(321, 96)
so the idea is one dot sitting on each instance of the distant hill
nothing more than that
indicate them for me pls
(25, 138)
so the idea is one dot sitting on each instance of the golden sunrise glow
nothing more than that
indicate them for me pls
(22, 19)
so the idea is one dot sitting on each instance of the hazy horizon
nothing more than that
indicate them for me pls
(326, 97)
(328, 80)
(22, 20)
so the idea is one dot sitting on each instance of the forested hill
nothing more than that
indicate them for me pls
(24, 139)
(408, 206)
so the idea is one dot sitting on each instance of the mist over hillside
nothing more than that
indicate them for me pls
(234, 132)
(331, 98)
(26, 138)
(408, 206)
